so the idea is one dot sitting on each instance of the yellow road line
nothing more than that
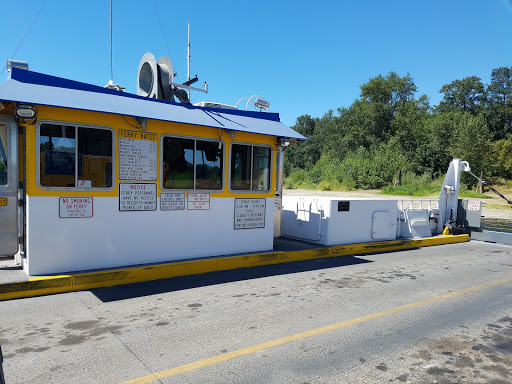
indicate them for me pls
(303, 335)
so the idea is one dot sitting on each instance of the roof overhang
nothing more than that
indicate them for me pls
(39, 89)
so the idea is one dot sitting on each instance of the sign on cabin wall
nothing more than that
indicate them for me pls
(198, 201)
(138, 155)
(75, 207)
(172, 201)
(137, 197)
(249, 213)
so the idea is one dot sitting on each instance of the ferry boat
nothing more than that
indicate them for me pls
(93, 177)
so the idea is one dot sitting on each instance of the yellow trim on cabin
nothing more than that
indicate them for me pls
(117, 123)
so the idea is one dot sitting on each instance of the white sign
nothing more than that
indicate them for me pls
(473, 205)
(75, 207)
(137, 197)
(249, 213)
(84, 183)
(172, 201)
(138, 155)
(198, 201)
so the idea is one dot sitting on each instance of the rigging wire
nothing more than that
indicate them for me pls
(134, 126)
(22, 40)
(162, 28)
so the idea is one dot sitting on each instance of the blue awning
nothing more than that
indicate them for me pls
(39, 89)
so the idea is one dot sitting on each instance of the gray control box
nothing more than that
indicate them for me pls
(469, 213)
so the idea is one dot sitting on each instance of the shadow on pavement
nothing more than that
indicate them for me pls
(128, 291)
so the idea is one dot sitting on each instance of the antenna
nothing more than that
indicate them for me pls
(111, 72)
(188, 59)
(111, 84)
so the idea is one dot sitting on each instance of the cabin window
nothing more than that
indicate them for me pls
(75, 157)
(3, 154)
(192, 164)
(250, 167)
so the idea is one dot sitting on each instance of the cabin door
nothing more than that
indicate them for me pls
(8, 187)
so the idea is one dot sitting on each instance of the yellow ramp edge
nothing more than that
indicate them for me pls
(84, 281)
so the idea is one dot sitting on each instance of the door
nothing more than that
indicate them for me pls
(8, 187)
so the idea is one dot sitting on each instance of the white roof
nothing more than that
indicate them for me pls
(39, 89)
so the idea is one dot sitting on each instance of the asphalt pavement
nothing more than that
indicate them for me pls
(437, 314)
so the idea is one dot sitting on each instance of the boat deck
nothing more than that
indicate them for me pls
(14, 283)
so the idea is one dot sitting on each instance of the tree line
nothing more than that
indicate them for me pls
(390, 128)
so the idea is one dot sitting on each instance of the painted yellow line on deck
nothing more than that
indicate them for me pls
(83, 281)
(302, 335)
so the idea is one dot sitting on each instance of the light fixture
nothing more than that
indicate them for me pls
(283, 142)
(16, 64)
(231, 133)
(262, 104)
(25, 112)
(143, 121)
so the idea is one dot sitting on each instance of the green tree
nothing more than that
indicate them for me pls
(471, 142)
(501, 159)
(304, 154)
(467, 95)
(433, 150)
(499, 103)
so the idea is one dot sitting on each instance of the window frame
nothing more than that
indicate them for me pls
(195, 138)
(76, 126)
(252, 145)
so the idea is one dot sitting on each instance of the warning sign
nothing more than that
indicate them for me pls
(473, 205)
(172, 201)
(3, 201)
(198, 201)
(138, 155)
(75, 207)
(137, 197)
(249, 213)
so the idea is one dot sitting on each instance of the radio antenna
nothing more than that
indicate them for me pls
(188, 59)
(111, 72)
(111, 84)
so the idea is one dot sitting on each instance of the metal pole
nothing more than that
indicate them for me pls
(188, 59)
(111, 73)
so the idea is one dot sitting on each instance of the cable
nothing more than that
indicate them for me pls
(38, 12)
(162, 28)
(134, 126)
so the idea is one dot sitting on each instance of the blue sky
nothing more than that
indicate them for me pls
(305, 57)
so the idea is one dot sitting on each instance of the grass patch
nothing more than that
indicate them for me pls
(472, 194)
(411, 190)
(415, 185)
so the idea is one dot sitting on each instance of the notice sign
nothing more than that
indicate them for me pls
(75, 207)
(137, 197)
(198, 201)
(473, 205)
(172, 201)
(138, 155)
(249, 213)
